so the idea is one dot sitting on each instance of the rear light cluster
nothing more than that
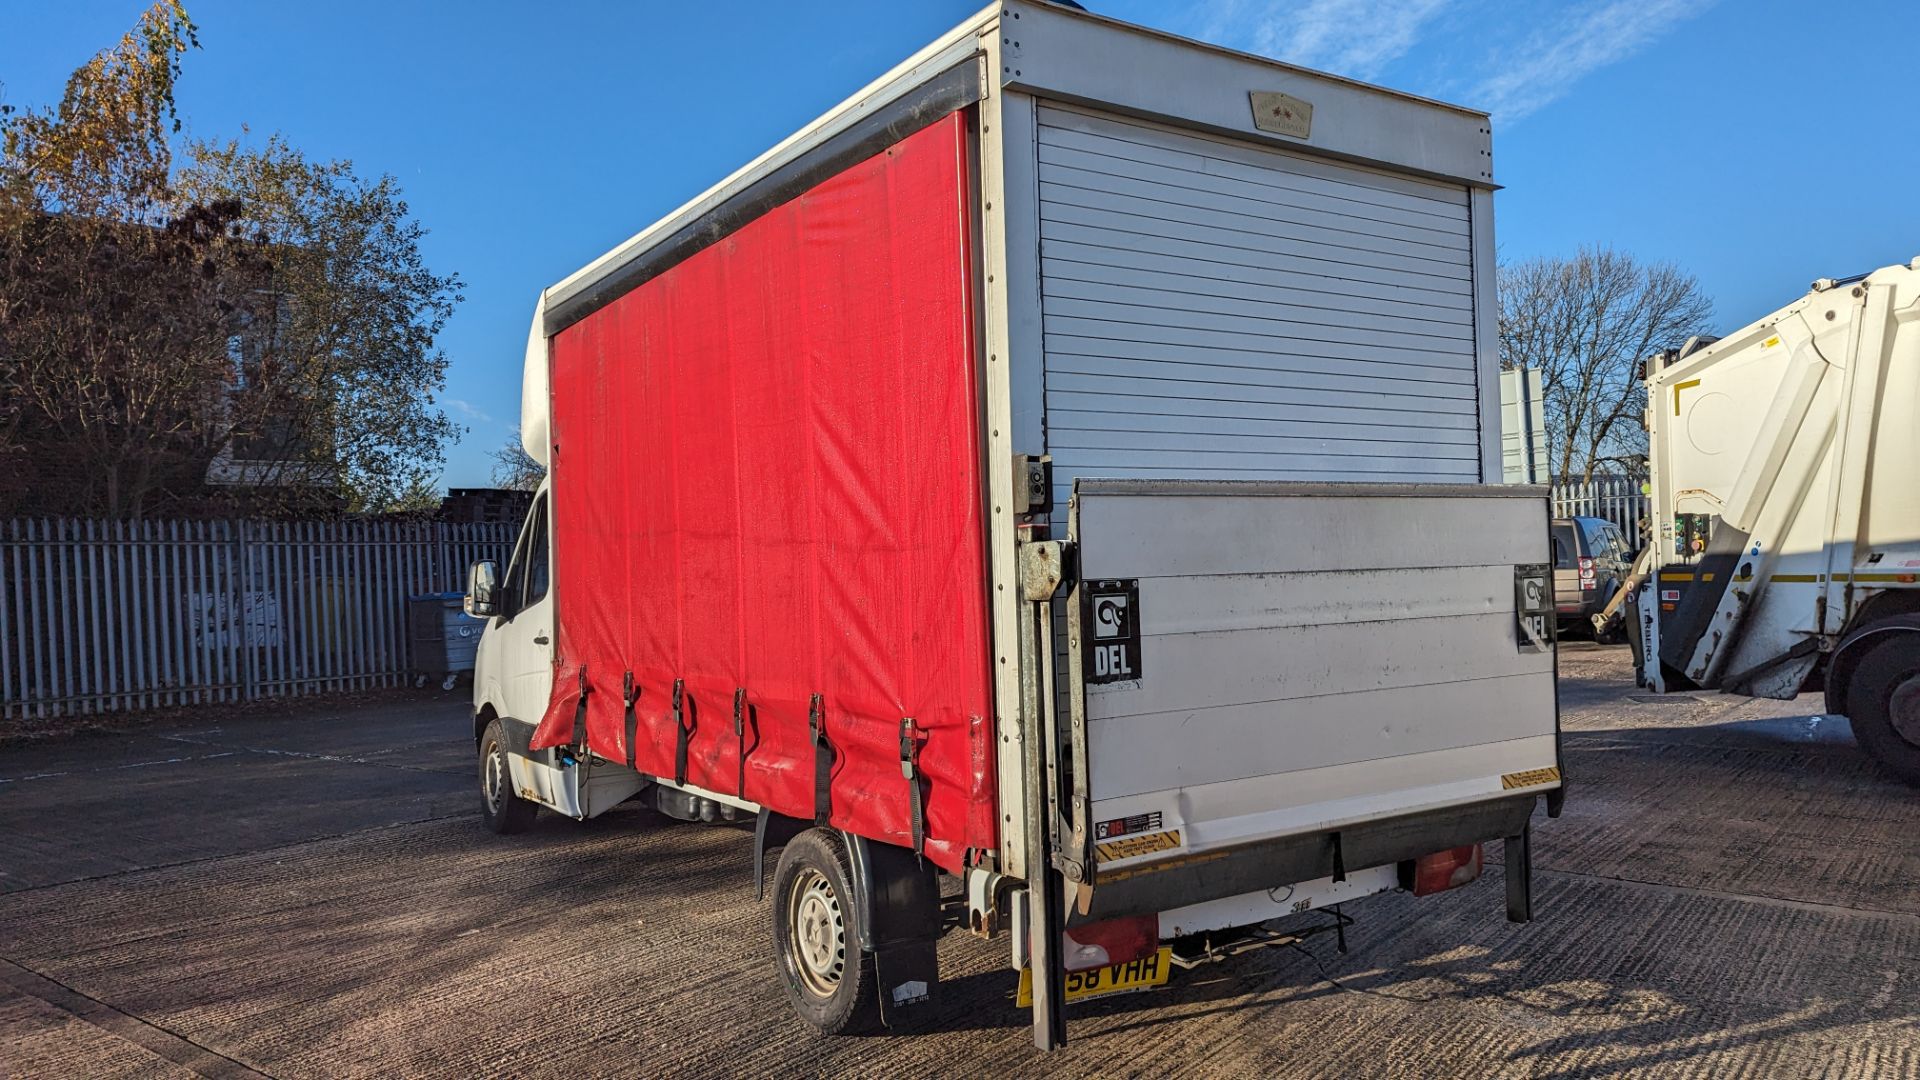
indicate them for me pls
(1586, 574)
(1447, 869)
(1110, 942)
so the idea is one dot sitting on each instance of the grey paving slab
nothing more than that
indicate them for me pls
(1723, 897)
(120, 803)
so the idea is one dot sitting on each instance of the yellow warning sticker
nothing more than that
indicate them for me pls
(1771, 342)
(1131, 847)
(1109, 876)
(1548, 775)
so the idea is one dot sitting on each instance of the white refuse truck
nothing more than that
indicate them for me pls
(1070, 467)
(1785, 543)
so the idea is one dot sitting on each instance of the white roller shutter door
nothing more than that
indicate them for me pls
(1218, 310)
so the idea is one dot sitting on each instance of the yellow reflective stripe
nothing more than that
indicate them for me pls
(1677, 387)
(1903, 579)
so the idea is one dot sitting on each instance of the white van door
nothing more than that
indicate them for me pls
(522, 634)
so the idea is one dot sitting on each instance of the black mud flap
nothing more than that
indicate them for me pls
(1518, 856)
(899, 896)
(907, 974)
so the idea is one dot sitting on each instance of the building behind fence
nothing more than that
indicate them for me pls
(102, 616)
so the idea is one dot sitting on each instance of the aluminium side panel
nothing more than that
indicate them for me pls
(1260, 660)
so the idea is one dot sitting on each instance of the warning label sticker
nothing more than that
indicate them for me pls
(1127, 826)
(1548, 775)
(1133, 847)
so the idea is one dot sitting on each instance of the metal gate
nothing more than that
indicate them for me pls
(108, 616)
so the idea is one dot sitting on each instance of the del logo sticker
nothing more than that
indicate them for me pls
(1110, 630)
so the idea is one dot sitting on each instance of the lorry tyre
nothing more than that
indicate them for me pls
(502, 807)
(816, 937)
(1883, 704)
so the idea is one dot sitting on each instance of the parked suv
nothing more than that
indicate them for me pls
(1591, 557)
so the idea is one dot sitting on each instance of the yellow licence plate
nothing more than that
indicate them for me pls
(1141, 974)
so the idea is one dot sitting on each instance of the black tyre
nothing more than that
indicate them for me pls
(816, 937)
(502, 808)
(1883, 704)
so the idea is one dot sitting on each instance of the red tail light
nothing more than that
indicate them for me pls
(1586, 573)
(1112, 941)
(1447, 869)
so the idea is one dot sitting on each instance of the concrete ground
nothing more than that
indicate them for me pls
(1733, 890)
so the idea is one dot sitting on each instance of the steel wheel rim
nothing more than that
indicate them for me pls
(493, 778)
(1903, 709)
(816, 932)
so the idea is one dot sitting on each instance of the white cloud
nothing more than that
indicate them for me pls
(470, 411)
(1521, 58)
(1547, 63)
(1355, 38)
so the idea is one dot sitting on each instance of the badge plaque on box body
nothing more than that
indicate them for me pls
(1110, 623)
(1533, 607)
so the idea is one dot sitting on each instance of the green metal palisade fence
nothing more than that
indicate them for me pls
(114, 616)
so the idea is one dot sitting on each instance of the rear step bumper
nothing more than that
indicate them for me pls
(1267, 864)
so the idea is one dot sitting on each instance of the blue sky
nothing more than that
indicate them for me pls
(1752, 144)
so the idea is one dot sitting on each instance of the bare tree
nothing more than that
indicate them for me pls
(1587, 323)
(514, 468)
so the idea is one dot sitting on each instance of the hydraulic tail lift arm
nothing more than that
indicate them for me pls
(1042, 571)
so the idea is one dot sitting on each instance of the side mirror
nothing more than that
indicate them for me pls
(483, 590)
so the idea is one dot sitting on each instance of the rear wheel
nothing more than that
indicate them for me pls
(502, 808)
(816, 937)
(1883, 704)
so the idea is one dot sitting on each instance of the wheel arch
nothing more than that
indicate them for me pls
(1855, 645)
(896, 895)
(483, 716)
(771, 830)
